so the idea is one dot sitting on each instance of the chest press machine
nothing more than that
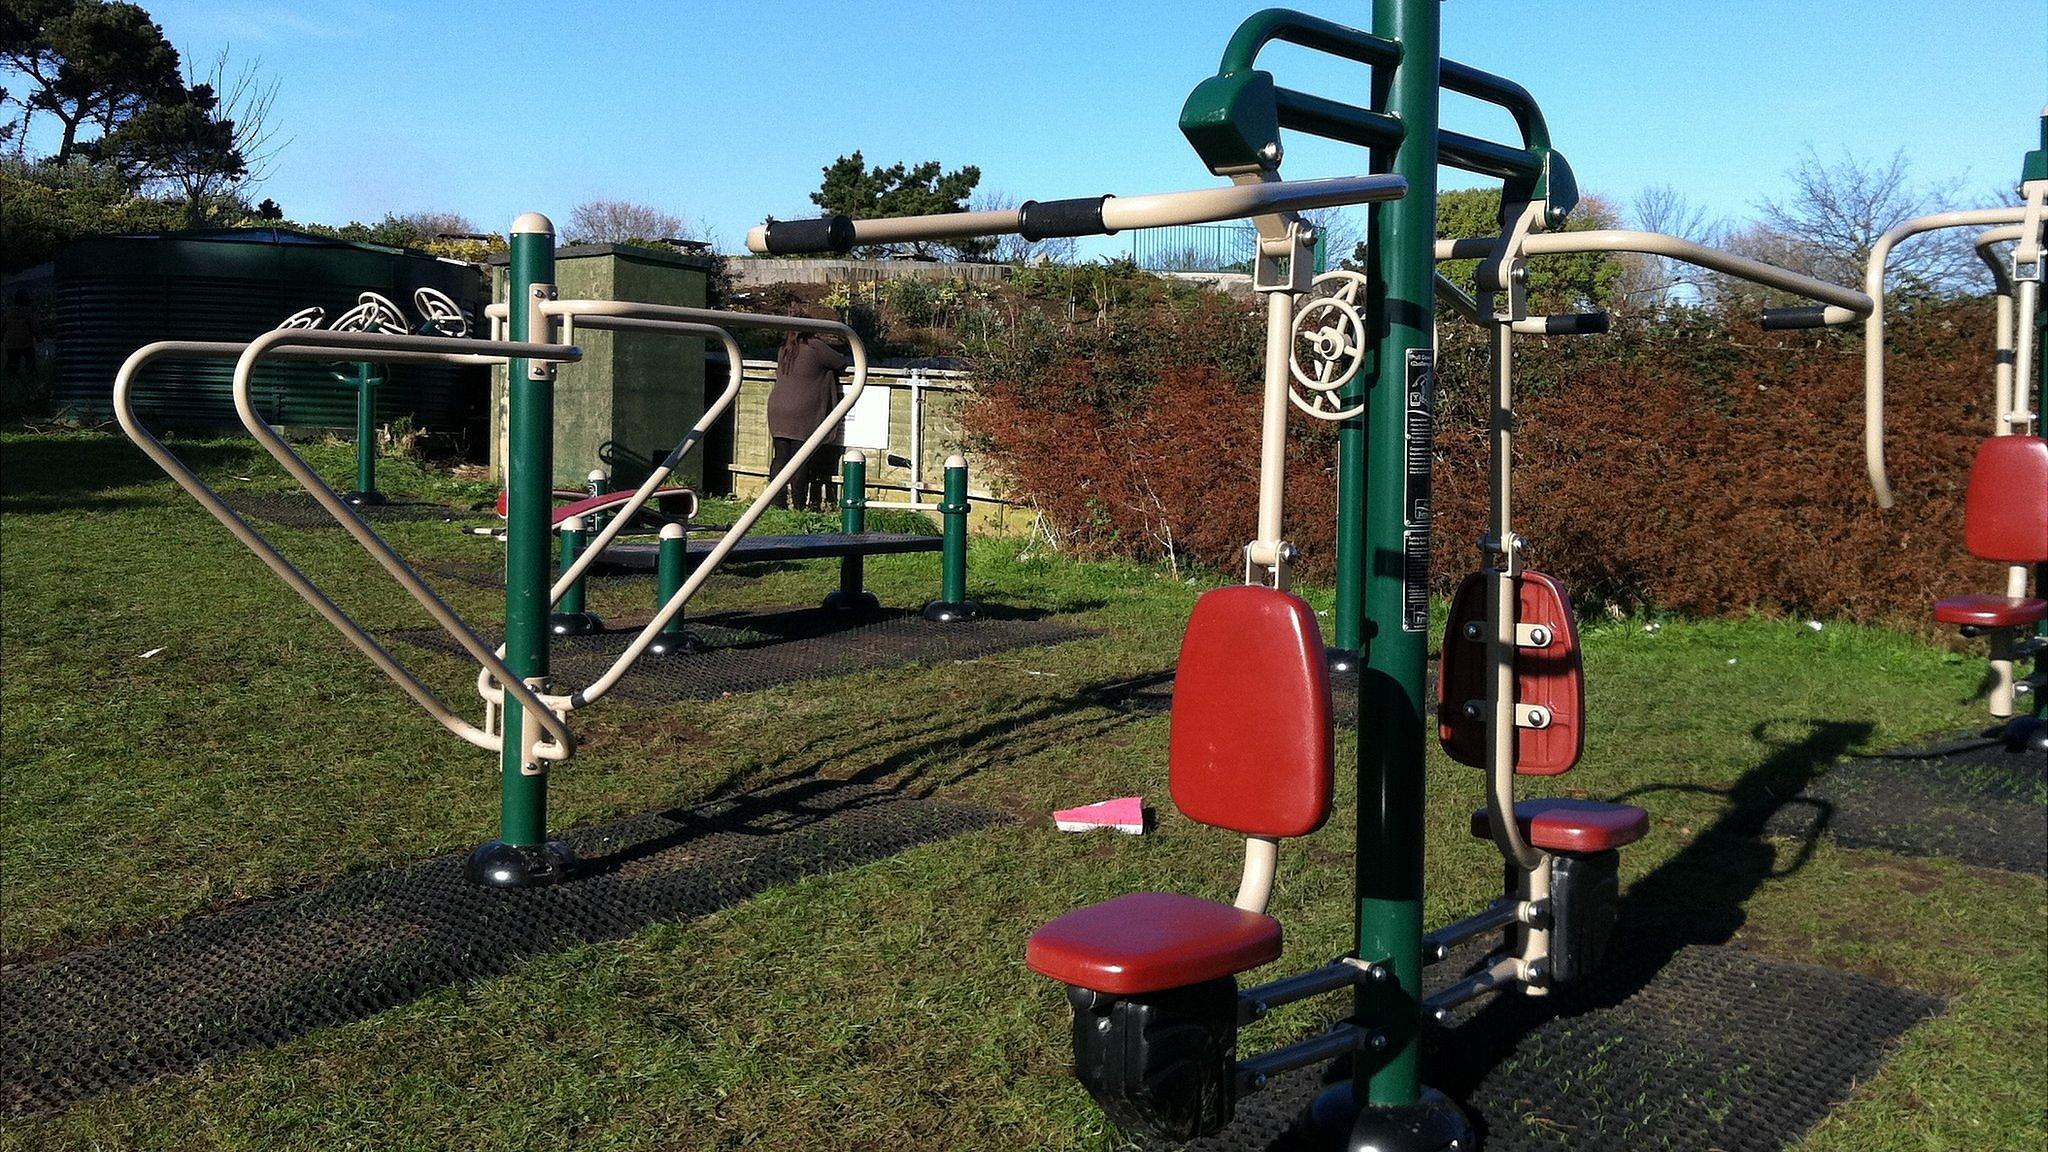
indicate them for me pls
(2005, 509)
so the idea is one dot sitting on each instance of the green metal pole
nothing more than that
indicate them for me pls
(952, 604)
(671, 565)
(522, 856)
(368, 377)
(572, 546)
(853, 520)
(1394, 566)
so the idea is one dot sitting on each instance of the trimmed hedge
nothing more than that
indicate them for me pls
(1688, 461)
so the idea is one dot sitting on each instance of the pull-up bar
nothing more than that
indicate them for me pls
(1085, 216)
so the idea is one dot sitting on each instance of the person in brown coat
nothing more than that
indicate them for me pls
(806, 390)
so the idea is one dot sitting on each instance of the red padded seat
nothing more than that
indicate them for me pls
(1151, 941)
(1991, 611)
(1572, 826)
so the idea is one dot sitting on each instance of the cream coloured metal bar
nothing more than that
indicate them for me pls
(1261, 862)
(1873, 325)
(1846, 304)
(302, 343)
(624, 516)
(185, 478)
(2002, 358)
(1110, 213)
(597, 688)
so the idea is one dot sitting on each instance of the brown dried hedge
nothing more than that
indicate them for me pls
(1688, 461)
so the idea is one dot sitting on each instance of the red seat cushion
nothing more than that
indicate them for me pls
(1990, 611)
(1574, 826)
(1150, 941)
(1252, 747)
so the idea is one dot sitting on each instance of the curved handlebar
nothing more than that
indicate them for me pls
(124, 411)
(1873, 326)
(1844, 304)
(1087, 216)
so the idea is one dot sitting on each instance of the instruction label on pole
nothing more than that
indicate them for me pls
(1420, 441)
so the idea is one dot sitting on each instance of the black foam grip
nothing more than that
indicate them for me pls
(1575, 324)
(824, 234)
(1806, 316)
(1042, 219)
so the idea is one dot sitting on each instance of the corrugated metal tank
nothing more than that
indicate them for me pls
(117, 293)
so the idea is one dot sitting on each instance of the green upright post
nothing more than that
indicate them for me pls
(570, 617)
(522, 856)
(1387, 461)
(671, 562)
(368, 377)
(953, 605)
(853, 520)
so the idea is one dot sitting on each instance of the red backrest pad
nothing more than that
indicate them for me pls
(1552, 677)
(2005, 514)
(1252, 748)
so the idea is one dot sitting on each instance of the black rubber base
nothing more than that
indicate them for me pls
(300, 510)
(496, 864)
(1720, 1051)
(109, 1018)
(669, 645)
(1432, 1124)
(369, 499)
(1341, 661)
(750, 650)
(948, 612)
(863, 601)
(574, 623)
(1978, 798)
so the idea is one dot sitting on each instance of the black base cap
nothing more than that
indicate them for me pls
(2026, 734)
(684, 643)
(496, 864)
(1341, 660)
(574, 623)
(863, 601)
(370, 499)
(1432, 1124)
(943, 612)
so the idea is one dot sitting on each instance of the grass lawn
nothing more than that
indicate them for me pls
(887, 1006)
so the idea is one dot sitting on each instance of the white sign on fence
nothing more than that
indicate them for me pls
(867, 425)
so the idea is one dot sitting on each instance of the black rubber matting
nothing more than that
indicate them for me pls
(755, 649)
(300, 510)
(1722, 1051)
(642, 557)
(109, 1018)
(1978, 801)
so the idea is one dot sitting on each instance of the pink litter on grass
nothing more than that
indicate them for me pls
(1125, 814)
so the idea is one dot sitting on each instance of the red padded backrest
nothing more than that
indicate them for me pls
(1252, 748)
(2005, 515)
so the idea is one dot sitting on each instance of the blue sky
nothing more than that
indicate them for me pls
(725, 112)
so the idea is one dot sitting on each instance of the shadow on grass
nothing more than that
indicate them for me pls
(43, 474)
(1694, 898)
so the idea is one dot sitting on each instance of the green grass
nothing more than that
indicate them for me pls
(886, 1006)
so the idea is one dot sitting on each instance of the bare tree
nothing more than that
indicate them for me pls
(1343, 230)
(1016, 249)
(431, 224)
(211, 144)
(1829, 225)
(1653, 280)
(606, 221)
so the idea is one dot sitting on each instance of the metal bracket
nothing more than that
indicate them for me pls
(1532, 636)
(540, 330)
(1532, 716)
(1287, 264)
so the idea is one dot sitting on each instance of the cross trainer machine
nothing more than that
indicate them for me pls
(2005, 510)
(525, 720)
(440, 315)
